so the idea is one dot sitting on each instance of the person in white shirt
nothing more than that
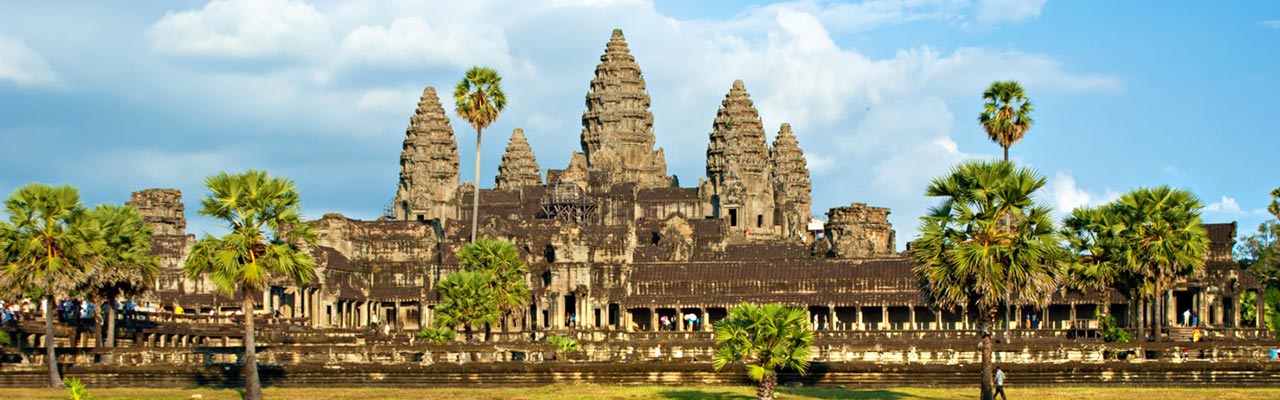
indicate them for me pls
(999, 385)
(1186, 317)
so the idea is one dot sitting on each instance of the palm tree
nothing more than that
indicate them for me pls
(1006, 116)
(267, 238)
(479, 100)
(987, 241)
(467, 300)
(1098, 263)
(1166, 241)
(126, 267)
(502, 261)
(47, 245)
(767, 338)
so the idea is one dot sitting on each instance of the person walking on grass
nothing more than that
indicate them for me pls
(999, 384)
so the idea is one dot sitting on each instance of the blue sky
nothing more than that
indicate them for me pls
(882, 95)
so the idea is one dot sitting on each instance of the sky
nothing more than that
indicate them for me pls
(882, 95)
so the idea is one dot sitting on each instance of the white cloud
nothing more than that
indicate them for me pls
(412, 43)
(1273, 24)
(818, 163)
(997, 11)
(23, 66)
(1067, 195)
(243, 29)
(594, 3)
(1227, 206)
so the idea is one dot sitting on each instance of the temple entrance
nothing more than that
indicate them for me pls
(570, 310)
(1183, 301)
(640, 319)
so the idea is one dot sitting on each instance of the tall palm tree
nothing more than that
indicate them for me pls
(1094, 235)
(510, 284)
(1006, 116)
(125, 267)
(479, 100)
(267, 238)
(1166, 241)
(467, 300)
(47, 245)
(987, 241)
(768, 338)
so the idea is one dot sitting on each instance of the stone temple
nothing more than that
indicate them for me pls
(615, 244)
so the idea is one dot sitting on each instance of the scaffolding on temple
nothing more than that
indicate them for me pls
(566, 201)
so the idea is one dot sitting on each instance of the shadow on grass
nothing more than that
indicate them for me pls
(814, 393)
(703, 395)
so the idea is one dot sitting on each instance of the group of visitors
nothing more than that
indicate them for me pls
(13, 311)
(1190, 318)
(691, 322)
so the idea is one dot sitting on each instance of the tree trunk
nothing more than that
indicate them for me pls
(985, 318)
(466, 329)
(1006, 153)
(764, 389)
(252, 386)
(488, 333)
(475, 199)
(1142, 319)
(111, 329)
(51, 312)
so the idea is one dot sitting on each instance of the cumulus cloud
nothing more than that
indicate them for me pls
(998, 11)
(412, 42)
(23, 66)
(243, 29)
(1067, 195)
(1227, 206)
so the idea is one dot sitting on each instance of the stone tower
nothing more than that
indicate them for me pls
(738, 165)
(163, 209)
(858, 230)
(791, 184)
(617, 127)
(519, 168)
(428, 164)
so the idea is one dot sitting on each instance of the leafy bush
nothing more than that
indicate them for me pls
(4, 339)
(564, 343)
(76, 389)
(437, 336)
(1111, 332)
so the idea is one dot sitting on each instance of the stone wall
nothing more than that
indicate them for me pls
(858, 230)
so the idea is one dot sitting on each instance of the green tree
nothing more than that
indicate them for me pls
(47, 245)
(467, 300)
(987, 241)
(437, 336)
(479, 100)
(126, 267)
(1094, 235)
(266, 240)
(501, 259)
(563, 344)
(1165, 241)
(768, 338)
(1006, 115)
(1259, 252)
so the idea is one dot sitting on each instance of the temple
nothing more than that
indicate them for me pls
(615, 244)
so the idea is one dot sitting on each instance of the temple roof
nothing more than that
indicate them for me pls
(519, 167)
(617, 127)
(429, 159)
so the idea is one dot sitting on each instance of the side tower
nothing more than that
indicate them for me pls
(791, 185)
(428, 165)
(617, 127)
(738, 166)
(519, 168)
(858, 230)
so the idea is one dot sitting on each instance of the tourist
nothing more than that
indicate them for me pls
(573, 320)
(1195, 318)
(999, 384)
(177, 309)
(1195, 334)
(1186, 317)
(664, 323)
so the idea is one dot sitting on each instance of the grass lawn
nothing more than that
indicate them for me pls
(649, 392)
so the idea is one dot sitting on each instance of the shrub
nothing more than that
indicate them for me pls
(437, 336)
(76, 389)
(564, 344)
(4, 339)
(1111, 332)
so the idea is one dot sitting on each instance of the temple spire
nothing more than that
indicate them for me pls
(428, 164)
(738, 162)
(617, 127)
(791, 185)
(519, 167)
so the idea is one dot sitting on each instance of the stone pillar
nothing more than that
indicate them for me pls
(653, 319)
(964, 312)
(399, 323)
(625, 318)
(1073, 314)
(884, 317)
(858, 320)
(558, 315)
(911, 311)
(831, 317)
(1261, 323)
(937, 318)
(1018, 323)
(704, 319)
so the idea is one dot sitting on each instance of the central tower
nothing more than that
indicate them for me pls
(617, 127)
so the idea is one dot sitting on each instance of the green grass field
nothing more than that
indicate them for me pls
(649, 392)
